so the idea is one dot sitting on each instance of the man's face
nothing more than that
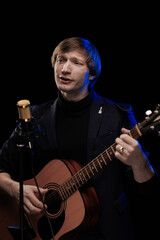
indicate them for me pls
(72, 75)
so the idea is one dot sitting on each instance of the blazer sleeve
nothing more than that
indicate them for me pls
(147, 189)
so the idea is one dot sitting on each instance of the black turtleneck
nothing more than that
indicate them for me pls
(72, 127)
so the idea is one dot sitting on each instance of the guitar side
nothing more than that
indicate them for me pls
(75, 213)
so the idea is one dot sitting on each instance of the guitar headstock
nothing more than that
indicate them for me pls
(151, 122)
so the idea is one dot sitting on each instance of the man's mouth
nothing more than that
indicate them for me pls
(64, 79)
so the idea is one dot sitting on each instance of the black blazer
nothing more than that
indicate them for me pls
(106, 121)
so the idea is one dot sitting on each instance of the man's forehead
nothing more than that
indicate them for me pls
(80, 54)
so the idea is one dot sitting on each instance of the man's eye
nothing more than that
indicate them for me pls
(78, 63)
(59, 60)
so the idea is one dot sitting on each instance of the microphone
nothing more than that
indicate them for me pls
(27, 125)
(24, 110)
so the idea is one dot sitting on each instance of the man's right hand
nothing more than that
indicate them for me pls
(32, 204)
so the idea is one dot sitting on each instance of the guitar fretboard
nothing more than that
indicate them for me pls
(92, 168)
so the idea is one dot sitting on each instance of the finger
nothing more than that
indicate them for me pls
(127, 139)
(30, 195)
(39, 191)
(125, 131)
(32, 204)
(42, 190)
(30, 208)
(120, 156)
(121, 143)
(119, 148)
(125, 135)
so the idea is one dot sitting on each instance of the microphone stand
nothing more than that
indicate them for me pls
(25, 131)
(23, 141)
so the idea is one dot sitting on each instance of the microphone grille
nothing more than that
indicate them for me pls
(24, 110)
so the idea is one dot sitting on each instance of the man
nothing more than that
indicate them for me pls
(79, 125)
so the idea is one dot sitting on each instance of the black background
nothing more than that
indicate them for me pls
(128, 40)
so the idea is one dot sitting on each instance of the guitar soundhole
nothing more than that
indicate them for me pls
(55, 205)
(53, 202)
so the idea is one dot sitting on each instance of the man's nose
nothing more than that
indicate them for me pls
(66, 68)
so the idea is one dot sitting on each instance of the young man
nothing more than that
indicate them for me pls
(80, 125)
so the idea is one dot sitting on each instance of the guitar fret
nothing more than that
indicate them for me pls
(67, 187)
(91, 169)
(106, 157)
(111, 153)
(100, 161)
(66, 192)
(95, 167)
(130, 134)
(62, 192)
(71, 186)
(112, 149)
(73, 183)
(108, 154)
(77, 180)
(87, 173)
(82, 177)
(135, 132)
(85, 179)
(103, 157)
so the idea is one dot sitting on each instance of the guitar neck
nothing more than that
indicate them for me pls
(92, 168)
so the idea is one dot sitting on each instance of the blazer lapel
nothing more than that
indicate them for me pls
(96, 117)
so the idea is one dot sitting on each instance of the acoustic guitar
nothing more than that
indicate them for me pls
(72, 202)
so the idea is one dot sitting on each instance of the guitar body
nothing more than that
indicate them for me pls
(68, 217)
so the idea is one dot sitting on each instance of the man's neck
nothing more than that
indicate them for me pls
(74, 97)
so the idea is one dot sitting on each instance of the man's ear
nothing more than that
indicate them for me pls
(91, 77)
